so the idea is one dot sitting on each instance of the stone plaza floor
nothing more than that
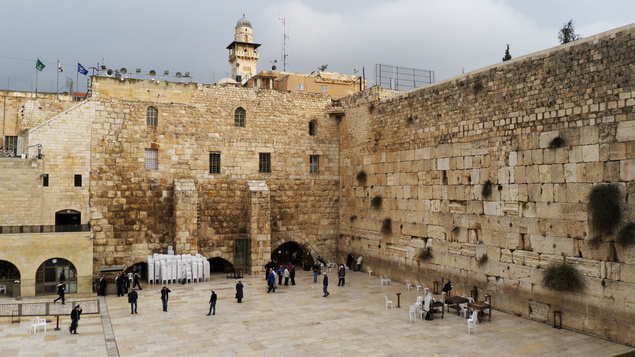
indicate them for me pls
(293, 321)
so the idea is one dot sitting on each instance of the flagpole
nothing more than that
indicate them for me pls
(57, 81)
(36, 70)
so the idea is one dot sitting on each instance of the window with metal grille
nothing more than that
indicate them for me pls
(315, 164)
(214, 162)
(265, 162)
(152, 159)
(239, 117)
(11, 145)
(152, 118)
(78, 180)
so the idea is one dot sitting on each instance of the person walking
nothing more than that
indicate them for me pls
(239, 291)
(136, 279)
(132, 299)
(212, 303)
(280, 273)
(341, 276)
(102, 286)
(316, 271)
(165, 295)
(60, 293)
(287, 275)
(75, 315)
(271, 282)
(325, 285)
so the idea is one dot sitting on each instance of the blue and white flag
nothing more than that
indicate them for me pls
(81, 69)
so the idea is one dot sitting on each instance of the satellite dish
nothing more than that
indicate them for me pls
(178, 75)
(273, 68)
(187, 74)
(323, 68)
(152, 72)
(138, 70)
(109, 72)
(165, 73)
(123, 71)
(117, 75)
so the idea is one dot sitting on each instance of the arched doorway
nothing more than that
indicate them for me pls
(9, 274)
(294, 253)
(219, 265)
(68, 220)
(55, 271)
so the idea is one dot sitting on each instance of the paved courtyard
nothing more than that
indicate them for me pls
(293, 321)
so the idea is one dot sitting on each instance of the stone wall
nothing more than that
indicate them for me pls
(430, 152)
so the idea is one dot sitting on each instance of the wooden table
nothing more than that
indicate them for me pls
(455, 301)
(434, 304)
(481, 307)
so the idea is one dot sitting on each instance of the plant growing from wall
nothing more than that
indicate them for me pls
(353, 218)
(425, 254)
(376, 202)
(626, 235)
(487, 189)
(386, 227)
(605, 208)
(557, 142)
(361, 177)
(562, 277)
(482, 260)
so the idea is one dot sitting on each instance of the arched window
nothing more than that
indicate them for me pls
(239, 117)
(313, 128)
(53, 272)
(68, 220)
(152, 118)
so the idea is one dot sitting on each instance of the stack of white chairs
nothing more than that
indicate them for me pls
(206, 270)
(171, 268)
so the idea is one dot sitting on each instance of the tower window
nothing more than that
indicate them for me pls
(315, 164)
(78, 180)
(11, 145)
(300, 86)
(239, 117)
(152, 117)
(45, 180)
(214, 162)
(265, 162)
(152, 159)
(325, 89)
(313, 128)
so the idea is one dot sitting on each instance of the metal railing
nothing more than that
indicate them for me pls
(45, 229)
(89, 306)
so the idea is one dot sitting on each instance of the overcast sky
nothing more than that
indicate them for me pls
(446, 36)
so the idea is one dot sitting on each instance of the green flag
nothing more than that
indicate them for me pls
(39, 65)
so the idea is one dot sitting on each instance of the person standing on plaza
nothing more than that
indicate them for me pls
(316, 271)
(75, 315)
(287, 275)
(359, 263)
(349, 260)
(132, 299)
(212, 303)
(165, 295)
(292, 274)
(280, 273)
(102, 286)
(119, 283)
(325, 285)
(136, 278)
(239, 291)
(272, 281)
(341, 276)
(60, 293)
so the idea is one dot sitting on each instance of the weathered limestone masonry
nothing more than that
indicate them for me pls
(136, 211)
(429, 152)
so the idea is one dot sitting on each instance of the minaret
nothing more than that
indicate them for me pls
(243, 52)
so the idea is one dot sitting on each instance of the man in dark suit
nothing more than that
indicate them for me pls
(132, 299)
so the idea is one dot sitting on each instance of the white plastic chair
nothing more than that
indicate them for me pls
(38, 323)
(418, 286)
(382, 280)
(3, 288)
(387, 279)
(472, 321)
(388, 302)
(463, 309)
(413, 313)
(408, 285)
(370, 271)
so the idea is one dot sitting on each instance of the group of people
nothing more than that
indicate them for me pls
(284, 271)
(122, 281)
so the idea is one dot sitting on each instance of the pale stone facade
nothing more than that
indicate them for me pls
(428, 153)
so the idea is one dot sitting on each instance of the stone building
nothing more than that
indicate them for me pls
(483, 179)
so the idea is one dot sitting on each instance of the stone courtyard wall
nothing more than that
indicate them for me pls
(429, 152)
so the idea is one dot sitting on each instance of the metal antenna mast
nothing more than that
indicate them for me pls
(284, 43)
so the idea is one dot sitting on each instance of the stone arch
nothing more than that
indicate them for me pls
(54, 271)
(310, 249)
(219, 265)
(9, 273)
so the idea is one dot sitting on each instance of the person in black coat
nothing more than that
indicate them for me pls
(75, 315)
(165, 295)
(119, 283)
(325, 285)
(60, 293)
(136, 279)
(102, 286)
(212, 303)
(349, 260)
(132, 299)
(239, 291)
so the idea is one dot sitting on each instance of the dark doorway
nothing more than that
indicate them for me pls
(55, 271)
(9, 274)
(292, 252)
(68, 220)
(219, 265)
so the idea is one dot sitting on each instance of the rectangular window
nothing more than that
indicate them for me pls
(300, 86)
(315, 164)
(45, 180)
(152, 159)
(325, 89)
(265, 162)
(78, 180)
(214, 162)
(11, 145)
